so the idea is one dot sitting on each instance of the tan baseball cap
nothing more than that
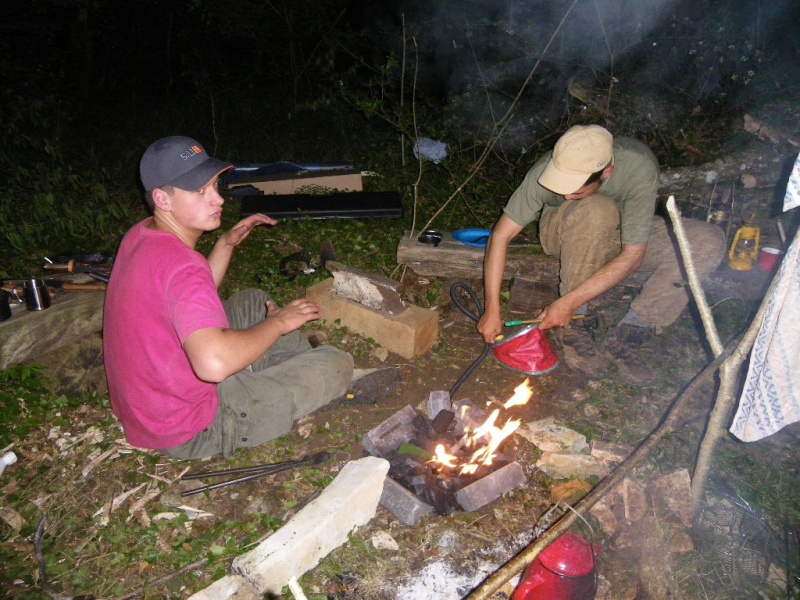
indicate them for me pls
(581, 151)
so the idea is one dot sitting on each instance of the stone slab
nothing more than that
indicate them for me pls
(410, 333)
(561, 465)
(548, 436)
(319, 528)
(230, 587)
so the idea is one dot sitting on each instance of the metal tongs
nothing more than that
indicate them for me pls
(250, 473)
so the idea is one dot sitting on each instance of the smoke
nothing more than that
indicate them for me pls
(477, 53)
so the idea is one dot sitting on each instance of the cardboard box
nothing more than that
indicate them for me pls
(345, 180)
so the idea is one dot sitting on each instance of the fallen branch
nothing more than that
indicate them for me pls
(164, 579)
(670, 423)
(723, 406)
(694, 281)
(783, 142)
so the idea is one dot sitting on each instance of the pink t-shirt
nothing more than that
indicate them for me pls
(160, 292)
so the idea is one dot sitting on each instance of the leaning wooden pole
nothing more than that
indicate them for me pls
(670, 422)
(726, 401)
(729, 370)
(699, 295)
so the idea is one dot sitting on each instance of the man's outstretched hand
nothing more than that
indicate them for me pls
(295, 314)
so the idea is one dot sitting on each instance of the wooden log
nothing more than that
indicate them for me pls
(782, 141)
(410, 333)
(530, 293)
(452, 259)
(29, 334)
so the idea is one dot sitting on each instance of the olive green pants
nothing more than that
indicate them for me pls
(260, 403)
(585, 235)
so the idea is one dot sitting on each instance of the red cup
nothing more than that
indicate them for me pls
(768, 259)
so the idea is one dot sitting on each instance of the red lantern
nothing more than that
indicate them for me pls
(565, 570)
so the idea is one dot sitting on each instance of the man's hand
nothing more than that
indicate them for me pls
(237, 234)
(557, 314)
(294, 315)
(220, 257)
(490, 326)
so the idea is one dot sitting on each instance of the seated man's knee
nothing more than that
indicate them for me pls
(595, 215)
(603, 208)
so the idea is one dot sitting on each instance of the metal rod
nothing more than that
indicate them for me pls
(254, 469)
(529, 321)
(263, 472)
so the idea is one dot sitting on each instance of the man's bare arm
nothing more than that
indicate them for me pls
(561, 311)
(494, 264)
(216, 353)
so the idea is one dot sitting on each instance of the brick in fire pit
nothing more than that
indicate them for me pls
(437, 402)
(468, 416)
(404, 505)
(491, 487)
(388, 436)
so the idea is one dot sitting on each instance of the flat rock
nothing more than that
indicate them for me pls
(550, 437)
(566, 466)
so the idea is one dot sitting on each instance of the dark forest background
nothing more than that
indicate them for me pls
(88, 84)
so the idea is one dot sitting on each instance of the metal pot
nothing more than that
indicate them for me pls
(36, 295)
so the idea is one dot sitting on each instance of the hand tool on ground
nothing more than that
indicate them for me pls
(250, 473)
(15, 286)
(530, 321)
(76, 267)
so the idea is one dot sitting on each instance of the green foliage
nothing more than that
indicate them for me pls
(24, 400)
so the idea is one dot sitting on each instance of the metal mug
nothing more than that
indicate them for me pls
(36, 295)
(5, 305)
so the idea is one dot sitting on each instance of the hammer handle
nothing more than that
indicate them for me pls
(76, 267)
(83, 287)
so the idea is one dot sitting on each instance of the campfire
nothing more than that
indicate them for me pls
(452, 461)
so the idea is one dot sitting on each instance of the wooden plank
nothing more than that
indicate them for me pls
(453, 259)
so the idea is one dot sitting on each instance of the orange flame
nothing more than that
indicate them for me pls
(488, 435)
(522, 393)
(443, 458)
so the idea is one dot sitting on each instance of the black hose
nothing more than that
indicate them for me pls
(475, 317)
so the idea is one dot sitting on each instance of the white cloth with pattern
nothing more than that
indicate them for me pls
(771, 395)
(792, 198)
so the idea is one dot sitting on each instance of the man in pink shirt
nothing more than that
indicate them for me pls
(189, 375)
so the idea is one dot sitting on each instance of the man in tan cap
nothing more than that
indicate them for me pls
(594, 197)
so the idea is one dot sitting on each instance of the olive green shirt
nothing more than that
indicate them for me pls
(633, 186)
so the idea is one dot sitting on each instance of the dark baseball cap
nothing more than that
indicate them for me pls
(178, 161)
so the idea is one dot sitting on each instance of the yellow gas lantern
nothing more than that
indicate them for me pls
(745, 247)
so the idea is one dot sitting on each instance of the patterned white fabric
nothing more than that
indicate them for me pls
(792, 198)
(771, 395)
